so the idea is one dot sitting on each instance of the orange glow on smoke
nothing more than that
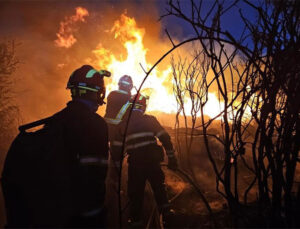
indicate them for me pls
(65, 37)
(159, 84)
(125, 31)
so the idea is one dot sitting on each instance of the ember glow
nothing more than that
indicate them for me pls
(65, 37)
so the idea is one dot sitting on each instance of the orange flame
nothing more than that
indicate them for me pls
(126, 31)
(65, 37)
(159, 84)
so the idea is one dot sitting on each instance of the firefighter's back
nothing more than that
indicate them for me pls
(86, 142)
(87, 148)
(141, 143)
(115, 100)
(55, 176)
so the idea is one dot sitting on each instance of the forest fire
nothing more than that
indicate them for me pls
(216, 145)
(159, 85)
(131, 37)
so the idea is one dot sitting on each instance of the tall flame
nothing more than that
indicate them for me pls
(65, 37)
(159, 84)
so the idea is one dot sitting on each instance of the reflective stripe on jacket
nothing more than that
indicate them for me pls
(117, 105)
(141, 140)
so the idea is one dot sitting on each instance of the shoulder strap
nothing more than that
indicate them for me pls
(25, 127)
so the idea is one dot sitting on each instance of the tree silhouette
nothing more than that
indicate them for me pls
(256, 77)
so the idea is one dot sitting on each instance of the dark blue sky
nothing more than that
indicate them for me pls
(230, 21)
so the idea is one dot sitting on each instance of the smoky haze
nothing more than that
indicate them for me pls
(44, 70)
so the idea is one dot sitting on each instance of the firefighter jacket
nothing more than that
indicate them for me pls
(86, 141)
(117, 105)
(141, 140)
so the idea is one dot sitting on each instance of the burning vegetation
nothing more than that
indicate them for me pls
(230, 103)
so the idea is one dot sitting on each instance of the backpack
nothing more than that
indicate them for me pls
(35, 178)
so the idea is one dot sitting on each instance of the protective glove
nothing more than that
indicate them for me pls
(172, 163)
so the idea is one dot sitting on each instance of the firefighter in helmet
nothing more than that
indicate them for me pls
(118, 102)
(86, 136)
(117, 105)
(144, 157)
(64, 181)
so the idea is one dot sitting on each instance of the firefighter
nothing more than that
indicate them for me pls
(86, 136)
(55, 177)
(144, 157)
(116, 109)
(117, 105)
(118, 101)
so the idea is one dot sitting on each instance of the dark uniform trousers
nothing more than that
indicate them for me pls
(137, 177)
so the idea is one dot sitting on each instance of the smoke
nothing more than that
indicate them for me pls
(46, 62)
(56, 38)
